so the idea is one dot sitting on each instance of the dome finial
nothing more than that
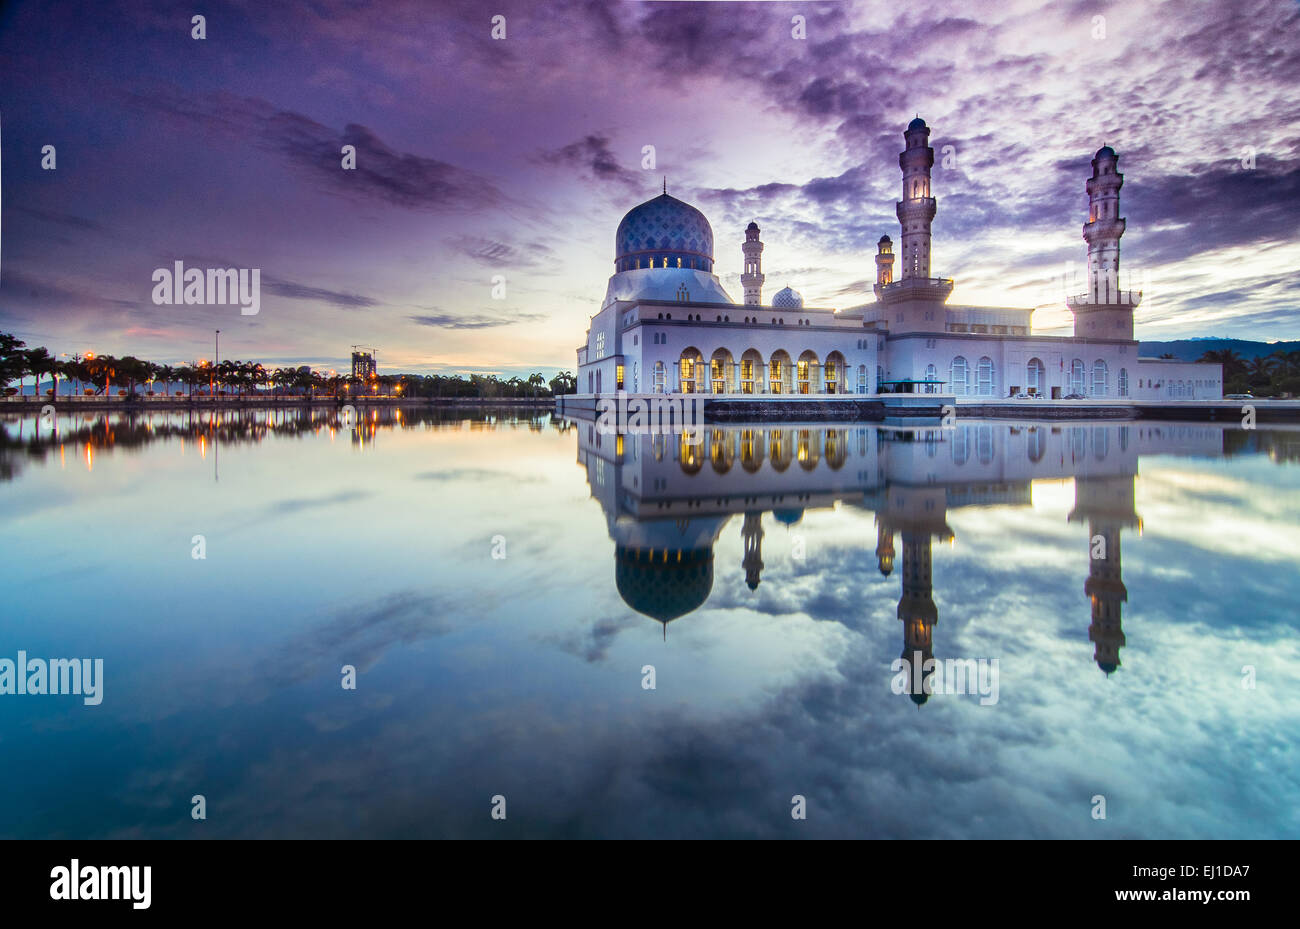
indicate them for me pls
(665, 183)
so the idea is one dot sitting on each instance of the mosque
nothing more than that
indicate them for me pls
(666, 324)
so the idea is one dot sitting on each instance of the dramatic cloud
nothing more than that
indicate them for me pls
(449, 321)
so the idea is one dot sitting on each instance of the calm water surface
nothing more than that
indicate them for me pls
(769, 576)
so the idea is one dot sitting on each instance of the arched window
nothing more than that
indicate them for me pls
(931, 374)
(862, 379)
(1123, 382)
(880, 376)
(1076, 376)
(958, 376)
(984, 377)
(1100, 378)
(660, 377)
(1034, 376)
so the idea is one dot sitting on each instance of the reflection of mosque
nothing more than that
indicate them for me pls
(667, 500)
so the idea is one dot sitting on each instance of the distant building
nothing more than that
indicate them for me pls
(666, 324)
(363, 365)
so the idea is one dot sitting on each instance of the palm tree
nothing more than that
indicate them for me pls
(227, 373)
(166, 374)
(1231, 361)
(38, 362)
(1261, 368)
(100, 371)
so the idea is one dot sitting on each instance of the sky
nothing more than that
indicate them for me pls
(476, 231)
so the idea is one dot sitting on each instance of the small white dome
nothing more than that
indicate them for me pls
(788, 299)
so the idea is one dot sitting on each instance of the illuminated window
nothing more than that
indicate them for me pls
(618, 377)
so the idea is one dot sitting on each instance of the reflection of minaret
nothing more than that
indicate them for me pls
(884, 547)
(1108, 506)
(916, 607)
(752, 531)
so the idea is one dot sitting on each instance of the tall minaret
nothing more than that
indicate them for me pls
(752, 278)
(1104, 311)
(752, 532)
(916, 209)
(884, 261)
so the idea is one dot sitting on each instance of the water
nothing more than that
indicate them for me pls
(522, 676)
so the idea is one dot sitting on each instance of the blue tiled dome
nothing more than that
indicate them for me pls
(788, 299)
(664, 227)
(917, 123)
(1105, 152)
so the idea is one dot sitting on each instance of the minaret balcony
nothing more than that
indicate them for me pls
(922, 208)
(1084, 302)
(915, 288)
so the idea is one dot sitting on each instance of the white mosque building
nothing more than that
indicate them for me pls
(666, 324)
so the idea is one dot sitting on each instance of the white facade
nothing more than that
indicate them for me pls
(668, 326)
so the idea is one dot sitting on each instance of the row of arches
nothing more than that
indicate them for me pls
(779, 373)
(981, 378)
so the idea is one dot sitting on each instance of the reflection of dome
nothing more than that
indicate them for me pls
(663, 584)
(1107, 666)
(788, 299)
(664, 227)
(788, 517)
(918, 699)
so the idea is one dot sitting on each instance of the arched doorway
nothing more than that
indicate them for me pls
(807, 373)
(834, 373)
(690, 371)
(751, 372)
(779, 372)
(721, 372)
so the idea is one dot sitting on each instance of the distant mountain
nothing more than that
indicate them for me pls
(1192, 349)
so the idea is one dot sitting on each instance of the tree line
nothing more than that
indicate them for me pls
(1274, 375)
(99, 375)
